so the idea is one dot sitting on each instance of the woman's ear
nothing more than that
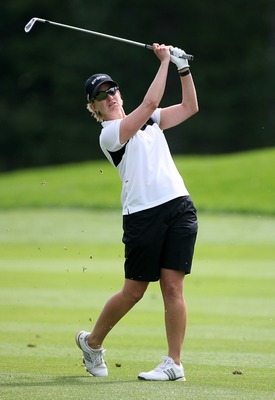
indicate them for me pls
(92, 107)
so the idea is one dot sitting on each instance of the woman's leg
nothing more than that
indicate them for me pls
(171, 283)
(115, 308)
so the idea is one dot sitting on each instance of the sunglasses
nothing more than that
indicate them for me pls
(103, 95)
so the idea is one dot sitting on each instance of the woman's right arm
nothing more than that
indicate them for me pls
(137, 118)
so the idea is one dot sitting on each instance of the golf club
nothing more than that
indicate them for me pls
(30, 24)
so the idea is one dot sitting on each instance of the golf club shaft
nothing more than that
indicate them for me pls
(30, 24)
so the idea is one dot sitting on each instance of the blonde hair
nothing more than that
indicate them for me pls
(96, 114)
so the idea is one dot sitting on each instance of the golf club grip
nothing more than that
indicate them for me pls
(189, 57)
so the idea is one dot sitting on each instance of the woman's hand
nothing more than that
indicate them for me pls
(162, 52)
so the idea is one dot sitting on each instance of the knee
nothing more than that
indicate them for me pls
(171, 291)
(134, 295)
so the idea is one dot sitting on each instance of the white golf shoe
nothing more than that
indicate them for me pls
(166, 371)
(92, 358)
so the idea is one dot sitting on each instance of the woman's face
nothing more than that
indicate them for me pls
(111, 107)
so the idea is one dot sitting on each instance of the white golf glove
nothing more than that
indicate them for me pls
(175, 57)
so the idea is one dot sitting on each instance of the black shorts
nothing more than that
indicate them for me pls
(160, 237)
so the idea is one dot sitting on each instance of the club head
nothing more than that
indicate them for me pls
(30, 24)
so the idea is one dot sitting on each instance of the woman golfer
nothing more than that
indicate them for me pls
(159, 218)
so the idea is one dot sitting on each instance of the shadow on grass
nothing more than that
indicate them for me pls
(27, 381)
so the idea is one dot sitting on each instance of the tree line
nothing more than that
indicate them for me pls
(43, 113)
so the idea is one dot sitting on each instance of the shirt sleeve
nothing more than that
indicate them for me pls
(156, 116)
(109, 137)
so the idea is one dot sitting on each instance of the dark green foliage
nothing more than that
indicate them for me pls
(42, 104)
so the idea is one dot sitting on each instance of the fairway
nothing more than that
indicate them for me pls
(58, 267)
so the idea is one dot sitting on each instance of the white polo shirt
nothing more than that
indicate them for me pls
(145, 165)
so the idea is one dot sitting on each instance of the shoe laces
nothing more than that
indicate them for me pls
(97, 356)
(167, 361)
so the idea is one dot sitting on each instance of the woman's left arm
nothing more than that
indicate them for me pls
(176, 114)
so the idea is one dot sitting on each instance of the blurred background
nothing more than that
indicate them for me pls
(43, 113)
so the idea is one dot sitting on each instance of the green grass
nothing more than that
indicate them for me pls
(57, 269)
(241, 182)
(61, 257)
